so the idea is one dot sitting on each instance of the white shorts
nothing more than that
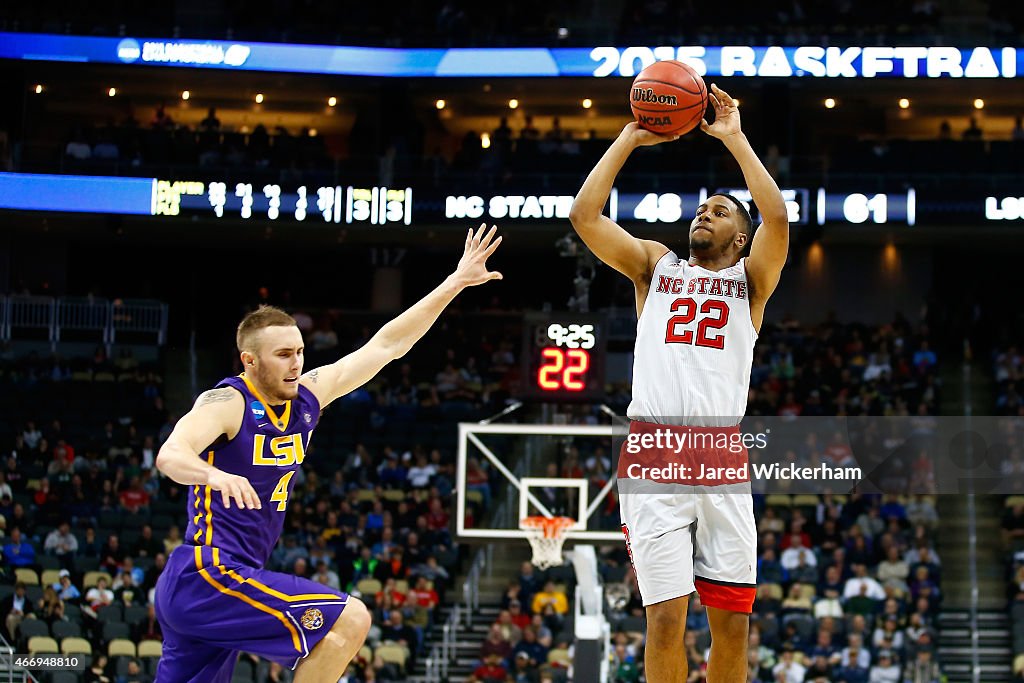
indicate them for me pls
(684, 538)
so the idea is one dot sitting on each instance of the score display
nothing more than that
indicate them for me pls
(563, 356)
(311, 204)
(326, 204)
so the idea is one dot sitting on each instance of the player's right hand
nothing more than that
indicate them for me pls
(234, 487)
(641, 137)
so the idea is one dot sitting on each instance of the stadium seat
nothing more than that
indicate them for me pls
(115, 630)
(48, 561)
(805, 500)
(402, 586)
(1011, 501)
(369, 586)
(394, 654)
(121, 648)
(91, 579)
(34, 594)
(32, 627)
(366, 496)
(778, 500)
(42, 645)
(66, 629)
(75, 646)
(366, 653)
(110, 613)
(63, 677)
(50, 577)
(26, 575)
(133, 615)
(151, 648)
(559, 657)
(475, 497)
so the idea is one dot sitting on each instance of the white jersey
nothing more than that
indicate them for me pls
(694, 346)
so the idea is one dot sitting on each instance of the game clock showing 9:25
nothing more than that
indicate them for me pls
(563, 356)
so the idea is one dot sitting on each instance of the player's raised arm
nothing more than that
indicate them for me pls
(633, 257)
(396, 338)
(771, 240)
(217, 412)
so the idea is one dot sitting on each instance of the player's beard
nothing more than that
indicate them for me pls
(701, 243)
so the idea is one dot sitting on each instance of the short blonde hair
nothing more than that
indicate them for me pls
(254, 321)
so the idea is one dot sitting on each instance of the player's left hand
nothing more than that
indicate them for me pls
(472, 268)
(727, 115)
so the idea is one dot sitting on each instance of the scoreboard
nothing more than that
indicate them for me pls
(563, 356)
(311, 204)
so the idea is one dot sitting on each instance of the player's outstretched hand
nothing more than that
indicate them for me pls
(472, 268)
(234, 487)
(727, 115)
(641, 137)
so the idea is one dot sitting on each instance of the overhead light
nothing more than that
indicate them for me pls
(979, 103)
(111, 92)
(332, 101)
(185, 94)
(588, 103)
(563, 32)
(39, 89)
(830, 103)
(485, 140)
(259, 98)
(312, 132)
(440, 104)
(513, 103)
(736, 101)
(904, 103)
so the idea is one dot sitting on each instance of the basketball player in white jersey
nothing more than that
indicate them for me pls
(698, 321)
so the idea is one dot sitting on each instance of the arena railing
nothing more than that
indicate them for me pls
(8, 672)
(28, 317)
(471, 586)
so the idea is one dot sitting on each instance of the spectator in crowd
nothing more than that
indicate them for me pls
(550, 596)
(18, 551)
(67, 591)
(15, 608)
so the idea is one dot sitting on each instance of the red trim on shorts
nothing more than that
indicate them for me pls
(733, 597)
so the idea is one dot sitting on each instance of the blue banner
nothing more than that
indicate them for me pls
(811, 61)
(81, 194)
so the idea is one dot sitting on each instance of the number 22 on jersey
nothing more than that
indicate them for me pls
(714, 316)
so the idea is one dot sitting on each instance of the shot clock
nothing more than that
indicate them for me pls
(563, 356)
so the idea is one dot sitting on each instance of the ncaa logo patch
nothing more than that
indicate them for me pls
(258, 410)
(312, 619)
(307, 417)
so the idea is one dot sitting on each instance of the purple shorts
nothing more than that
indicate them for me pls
(211, 607)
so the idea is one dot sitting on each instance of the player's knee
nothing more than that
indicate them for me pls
(666, 618)
(355, 620)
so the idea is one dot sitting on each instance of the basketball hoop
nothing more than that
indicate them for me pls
(546, 536)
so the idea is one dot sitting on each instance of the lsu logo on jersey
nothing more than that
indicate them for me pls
(284, 451)
(312, 619)
(258, 411)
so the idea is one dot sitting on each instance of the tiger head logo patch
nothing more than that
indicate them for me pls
(312, 619)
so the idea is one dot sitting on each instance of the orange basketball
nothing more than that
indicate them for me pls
(668, 97)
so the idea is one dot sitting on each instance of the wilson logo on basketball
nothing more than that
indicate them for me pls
(655, 120)
(648, 95)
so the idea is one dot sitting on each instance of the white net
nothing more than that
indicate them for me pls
(546, 536)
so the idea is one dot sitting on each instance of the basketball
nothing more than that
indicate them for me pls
(669, 98)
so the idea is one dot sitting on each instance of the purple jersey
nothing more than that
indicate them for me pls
(268, 449)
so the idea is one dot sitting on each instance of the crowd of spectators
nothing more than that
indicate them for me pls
(463, 24)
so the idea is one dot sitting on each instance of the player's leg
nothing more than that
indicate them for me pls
(281, 617)
(331, 656)
(186, 660)
(664, 656)
(656, 520)
(729, 632)
(725, 569)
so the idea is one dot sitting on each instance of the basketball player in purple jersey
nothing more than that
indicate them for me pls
(238, 449)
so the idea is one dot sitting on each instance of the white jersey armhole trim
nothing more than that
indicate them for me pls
(650, 286)
(750, 309)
